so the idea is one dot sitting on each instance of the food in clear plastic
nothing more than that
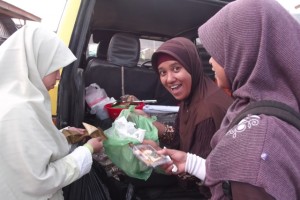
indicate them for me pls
(148, 155)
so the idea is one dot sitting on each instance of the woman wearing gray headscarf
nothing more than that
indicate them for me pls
(35, 160)
(255, 48)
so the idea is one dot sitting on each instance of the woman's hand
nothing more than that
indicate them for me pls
(178, 159)
(141, 112)
(96, 144)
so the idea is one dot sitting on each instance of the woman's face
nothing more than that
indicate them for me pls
(50, 80)
(175, 79)
(220, 75)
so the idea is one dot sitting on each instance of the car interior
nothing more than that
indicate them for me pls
(124, 35)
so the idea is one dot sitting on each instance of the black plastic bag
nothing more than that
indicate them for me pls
(91, 186)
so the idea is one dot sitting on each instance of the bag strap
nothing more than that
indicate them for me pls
(271, 108)
(267, 107)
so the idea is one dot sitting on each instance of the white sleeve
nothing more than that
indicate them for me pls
(195, 166)
(83, 158)
(71, 147)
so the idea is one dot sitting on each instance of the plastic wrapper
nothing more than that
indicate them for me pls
(148, 155)
(97, 98)
(74, 137)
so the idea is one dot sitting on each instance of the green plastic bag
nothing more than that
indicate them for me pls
(118, 150)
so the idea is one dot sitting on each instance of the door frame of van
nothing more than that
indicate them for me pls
(66, 99)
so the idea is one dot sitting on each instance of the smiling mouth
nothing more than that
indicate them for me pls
(174, 87)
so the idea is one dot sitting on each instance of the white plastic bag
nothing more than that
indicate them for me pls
(126, 129)
(97, 98)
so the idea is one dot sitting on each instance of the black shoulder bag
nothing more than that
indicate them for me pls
(267, 107)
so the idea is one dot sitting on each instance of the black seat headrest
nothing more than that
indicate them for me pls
(124, 50)
(102, 50)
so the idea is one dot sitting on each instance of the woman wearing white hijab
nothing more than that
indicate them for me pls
(35, 160)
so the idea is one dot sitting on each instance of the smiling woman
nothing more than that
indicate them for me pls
(202, 104)
(174, 77)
